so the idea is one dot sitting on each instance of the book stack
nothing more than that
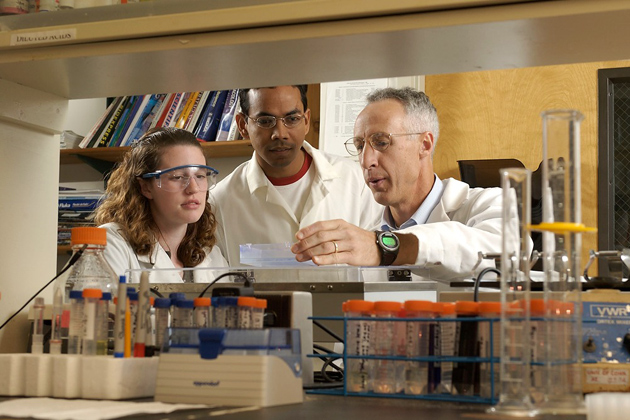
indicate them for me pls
(209, 115)
(76, 208)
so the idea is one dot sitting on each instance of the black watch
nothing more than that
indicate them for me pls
(388, 244)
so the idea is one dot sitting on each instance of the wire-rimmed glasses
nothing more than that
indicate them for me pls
(269, 121)
(379, 142)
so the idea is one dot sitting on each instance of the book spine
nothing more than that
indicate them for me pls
(180, 108)
(170, 113)
(193, 110)
(123, 121)
(227, 116)
(211, 122)
(158, 121)
(98, 127)
(112, 123)
(139, 114)
(203, 100)
(78, 204)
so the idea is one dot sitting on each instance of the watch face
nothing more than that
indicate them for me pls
(389, 242)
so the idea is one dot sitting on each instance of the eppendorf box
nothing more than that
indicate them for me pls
(231, 367)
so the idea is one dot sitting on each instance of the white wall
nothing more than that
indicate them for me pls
(29, 164)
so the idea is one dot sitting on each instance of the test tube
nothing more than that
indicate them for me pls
(102, 330)
(445, 347)
(562, 254)
(56, 322)
(418, 339)
(358, 342)
(514, 366)
(489, 348)
(37, 346)
(258, 314)
(218, 311)
(91, 298)
(231, 311)
(75, 330)
(183, 313)
(201, 316)
(465, 374)
(162, 320)
(245, 312)
(119, 328)
(385, 336)
(132, 298)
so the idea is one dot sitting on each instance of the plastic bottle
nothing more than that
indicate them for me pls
(91, 271)
(385, 338)
(466, 374)
(358, 342)
(201, 317)
(245, 312)
(418, 339)
(446, 331)
(162, 320)
(489, 346)
(258, 314)
(91, 298)
(75, 331)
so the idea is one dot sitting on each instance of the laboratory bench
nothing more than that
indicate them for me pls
(326, 407)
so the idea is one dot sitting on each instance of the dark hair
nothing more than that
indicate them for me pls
(243, 97)
(125, 205)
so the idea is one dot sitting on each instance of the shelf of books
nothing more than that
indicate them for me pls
(209, 115)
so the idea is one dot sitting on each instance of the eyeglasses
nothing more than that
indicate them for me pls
(269, 121)
(379, 142)
(178, 178)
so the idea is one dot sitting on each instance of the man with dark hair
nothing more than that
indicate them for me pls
(439, 225)
(287, 184)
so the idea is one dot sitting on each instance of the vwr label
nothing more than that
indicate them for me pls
(605, 376)
(43, 37)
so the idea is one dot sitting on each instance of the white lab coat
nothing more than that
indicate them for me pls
(121, 257)
(249, 209)
(465, 222)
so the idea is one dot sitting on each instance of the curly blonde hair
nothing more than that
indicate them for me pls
(125, 205)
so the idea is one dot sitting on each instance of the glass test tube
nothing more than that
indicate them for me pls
(562, 253)
(385, 337)
(75, 330)
(418, 337)
(514, 366)
(91, 298)
(37, 346)
(358, 342)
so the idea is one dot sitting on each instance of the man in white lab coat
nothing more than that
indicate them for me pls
(287, 184)
(438, 224)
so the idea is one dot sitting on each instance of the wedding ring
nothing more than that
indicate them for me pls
(336, 247)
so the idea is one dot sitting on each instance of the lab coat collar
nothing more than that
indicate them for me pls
(256, 177)
(454, 194)
(157, 258)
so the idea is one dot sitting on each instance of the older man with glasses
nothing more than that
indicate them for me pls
(438, 224)
(287, 185)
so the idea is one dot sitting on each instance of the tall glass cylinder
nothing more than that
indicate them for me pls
(562, 249)
(515, 294)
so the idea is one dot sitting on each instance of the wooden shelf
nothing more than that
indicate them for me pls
(212, 150)
(64, 249)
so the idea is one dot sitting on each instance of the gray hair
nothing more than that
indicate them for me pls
(416, 104)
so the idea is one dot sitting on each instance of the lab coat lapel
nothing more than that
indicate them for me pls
(324, 172)
(455, 193)
(159, 259)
